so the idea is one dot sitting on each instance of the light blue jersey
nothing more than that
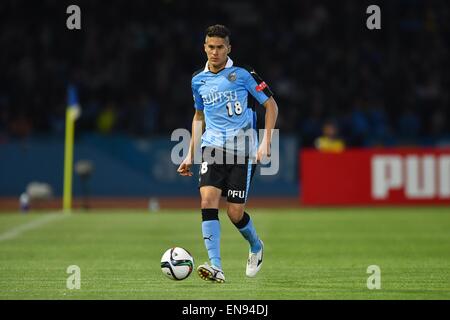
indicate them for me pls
(228, 108)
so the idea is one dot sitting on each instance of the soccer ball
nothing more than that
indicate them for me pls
(177, 263)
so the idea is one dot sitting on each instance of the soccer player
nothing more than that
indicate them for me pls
(225, 98)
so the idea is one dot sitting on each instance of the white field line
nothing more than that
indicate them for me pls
(18, 230)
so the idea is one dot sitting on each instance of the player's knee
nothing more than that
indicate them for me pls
(235, 213)
(208, 203)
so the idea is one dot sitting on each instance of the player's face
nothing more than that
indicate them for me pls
(217, 50)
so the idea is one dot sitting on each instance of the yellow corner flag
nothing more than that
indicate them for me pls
(72, 113)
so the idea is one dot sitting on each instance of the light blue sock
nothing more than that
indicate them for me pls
(211, 235)
(248, 231)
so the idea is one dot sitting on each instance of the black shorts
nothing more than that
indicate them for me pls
(233, 178)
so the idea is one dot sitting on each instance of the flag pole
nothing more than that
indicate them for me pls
(72, 113)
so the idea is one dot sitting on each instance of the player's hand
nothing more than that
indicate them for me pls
(263, 151)
(185, 168)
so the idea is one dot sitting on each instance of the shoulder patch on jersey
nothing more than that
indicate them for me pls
(261, 84)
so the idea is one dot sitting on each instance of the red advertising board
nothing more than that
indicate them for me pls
(375, 176)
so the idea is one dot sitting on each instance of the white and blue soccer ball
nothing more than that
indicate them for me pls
(177, 263)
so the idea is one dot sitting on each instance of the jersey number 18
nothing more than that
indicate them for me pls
(237, 108)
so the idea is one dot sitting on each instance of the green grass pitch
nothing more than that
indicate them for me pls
(310, 254)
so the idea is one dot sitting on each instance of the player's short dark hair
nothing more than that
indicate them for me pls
(218, 30)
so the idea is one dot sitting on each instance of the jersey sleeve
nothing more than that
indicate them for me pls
(198, 101)
(257, 86)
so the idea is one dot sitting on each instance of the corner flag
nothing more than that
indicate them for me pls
(72, 113)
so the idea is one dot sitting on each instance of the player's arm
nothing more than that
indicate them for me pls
(198, 125)
(270, 119)
(262, 93)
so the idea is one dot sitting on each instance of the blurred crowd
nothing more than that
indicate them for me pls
(133, 60)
